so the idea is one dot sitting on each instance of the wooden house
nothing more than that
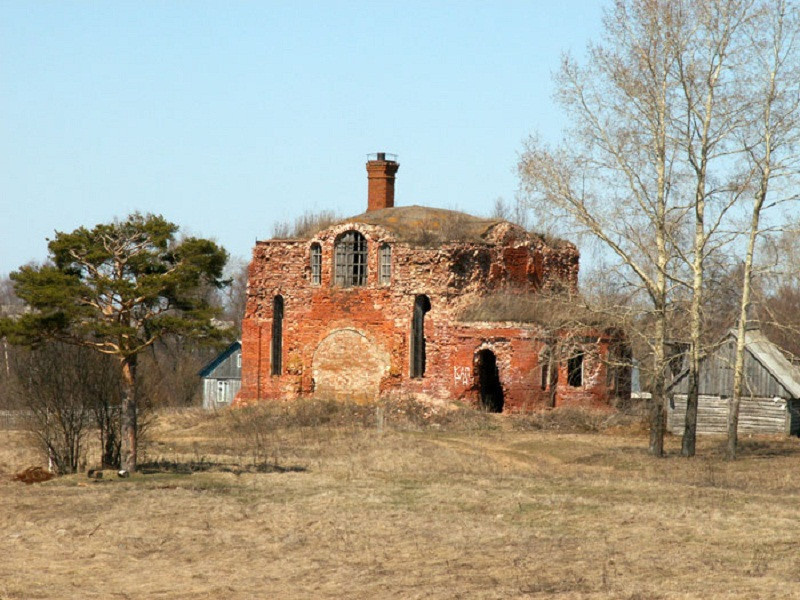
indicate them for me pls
(222, 377)
(771, 395)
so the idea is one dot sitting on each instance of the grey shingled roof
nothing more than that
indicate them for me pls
(773, 360)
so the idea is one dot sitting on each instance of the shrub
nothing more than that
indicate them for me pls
(304, 226)
(57, 386)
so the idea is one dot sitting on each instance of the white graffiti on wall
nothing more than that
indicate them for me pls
(462, 375)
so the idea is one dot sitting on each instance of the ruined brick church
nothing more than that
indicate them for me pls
(389, 302)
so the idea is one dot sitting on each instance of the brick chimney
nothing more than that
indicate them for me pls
(380, 180)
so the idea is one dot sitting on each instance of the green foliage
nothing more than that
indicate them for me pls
(119, 287)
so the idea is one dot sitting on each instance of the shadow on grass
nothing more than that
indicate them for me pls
(758, 446)
(766, 448)
(187, 468)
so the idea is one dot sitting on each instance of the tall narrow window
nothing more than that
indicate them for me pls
(350, 257)
(544, 362)
(421, 306)
(277, 335)
(222, 390)
(316, 264)
(385, 264)
(575, 369)
(612, 369)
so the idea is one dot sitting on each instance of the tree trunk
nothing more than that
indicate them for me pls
(5, 356)
(747, 284)
(658, 417)
(690, 429)
(765, 168)
(657, 421)
(128, 418)
(552, 373)
(110, 440)
(696, 309)
(689, 441)
(736, 399)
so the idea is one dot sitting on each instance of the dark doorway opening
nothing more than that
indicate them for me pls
(489, 382)
(422, 305)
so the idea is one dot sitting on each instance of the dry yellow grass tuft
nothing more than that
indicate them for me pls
(331, 506)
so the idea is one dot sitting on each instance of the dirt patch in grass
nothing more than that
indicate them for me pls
(405, 511)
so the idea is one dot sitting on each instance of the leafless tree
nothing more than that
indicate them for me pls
(515, 212)
(168, 371)
(10, 305)
(769, 145)
(53, 385)
(235, 295)
(709, 62)
(615, 177)
(676, 122)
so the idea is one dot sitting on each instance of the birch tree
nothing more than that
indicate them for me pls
(708, 69)
(769, 145)
(674, 125)
(614, 177)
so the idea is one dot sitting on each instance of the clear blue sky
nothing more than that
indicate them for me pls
(228, 116)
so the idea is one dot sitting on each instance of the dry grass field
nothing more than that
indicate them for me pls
(323, 503)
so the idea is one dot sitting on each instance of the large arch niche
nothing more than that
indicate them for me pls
(348, 366)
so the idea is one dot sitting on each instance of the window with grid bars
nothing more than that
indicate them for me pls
(316, 264)
(222, 390)
(386, 264)
(350, 259)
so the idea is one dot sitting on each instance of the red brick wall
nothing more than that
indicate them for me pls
(380, 184)
(354, 342)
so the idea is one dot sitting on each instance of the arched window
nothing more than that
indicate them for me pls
(350, 258)
(385, 264)
(316, 264)
(421, 306)
(277, 335)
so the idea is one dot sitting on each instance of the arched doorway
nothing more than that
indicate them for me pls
(491, 391)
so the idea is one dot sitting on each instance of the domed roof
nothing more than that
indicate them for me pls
(422, 224)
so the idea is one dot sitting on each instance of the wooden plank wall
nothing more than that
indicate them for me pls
(757, 415)
(229, 371)
(211, 399)
(716, 376)
(229, 368)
